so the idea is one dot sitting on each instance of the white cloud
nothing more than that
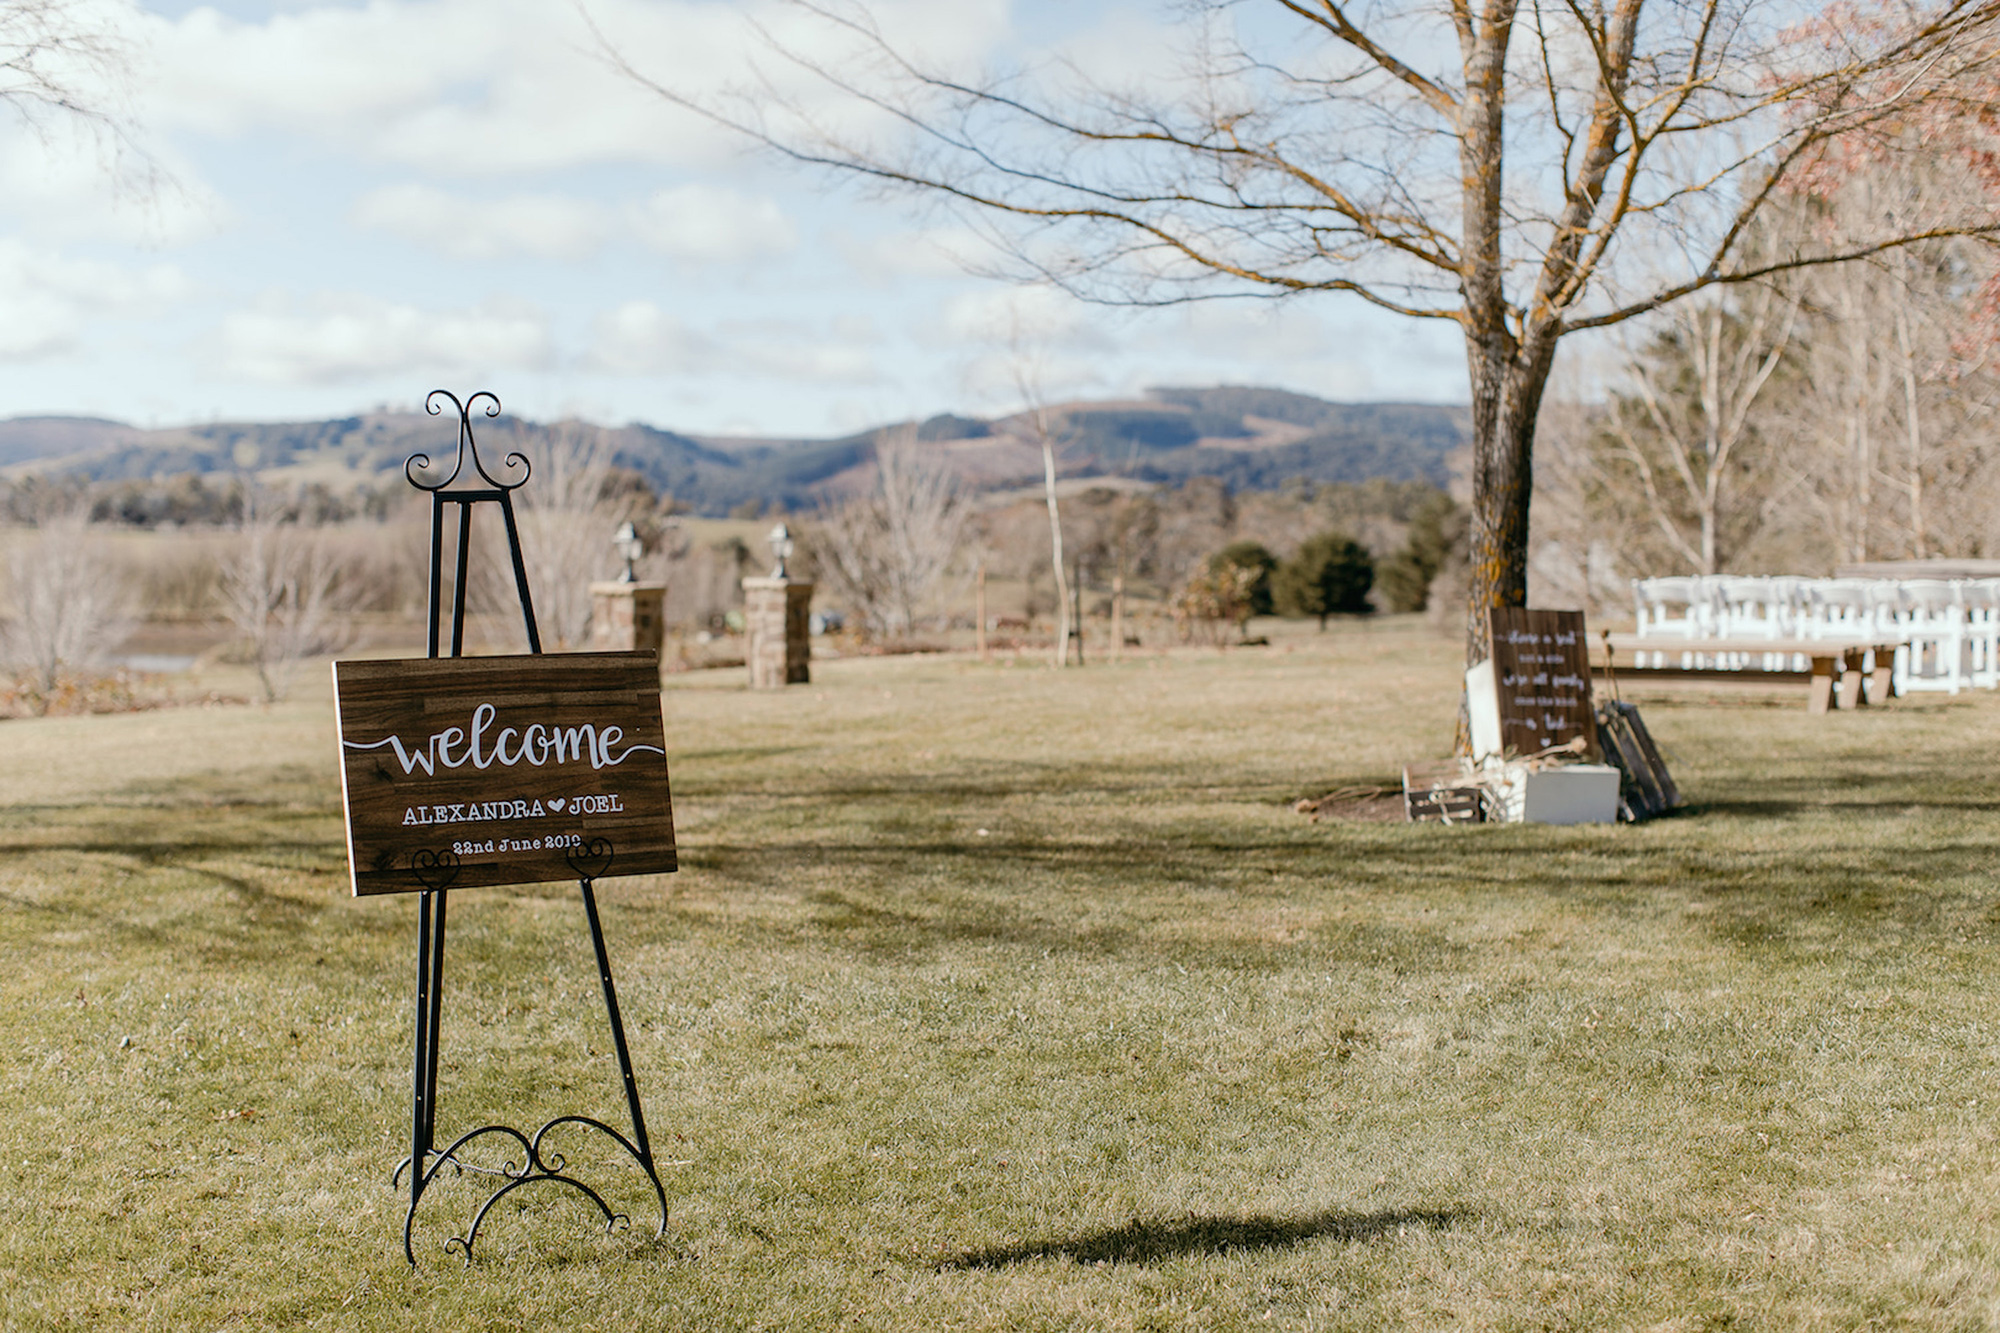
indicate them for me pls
(696, 223)
(344, 338)
(481, 86)
(1339, 349)
(1029, 317)
(927, 252)
(47, 300)
(324, 68)
(78, 158)
(713, 224)
(837, 358)
(638, 338)
(542, 226)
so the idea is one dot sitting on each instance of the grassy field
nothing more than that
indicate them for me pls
(991, 997)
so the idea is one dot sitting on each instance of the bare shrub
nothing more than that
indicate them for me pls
(180, 575)
(282, 592)
(886, 555)
(567, 519)
(71, 605)
(1212, 600)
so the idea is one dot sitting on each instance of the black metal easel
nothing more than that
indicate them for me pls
(538, 1162)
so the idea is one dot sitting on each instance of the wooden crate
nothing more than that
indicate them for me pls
(1440, 794)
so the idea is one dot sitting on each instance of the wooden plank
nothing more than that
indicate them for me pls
(1647, 789)
(1637, 798)
(1669, 675)
(1641, 795)
(1850, 678)
(1882, 681)
(1669, 791)
(1821, 698)
(468, 771)
(1625, 643)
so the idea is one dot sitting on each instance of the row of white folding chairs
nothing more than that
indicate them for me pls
(1948, 630)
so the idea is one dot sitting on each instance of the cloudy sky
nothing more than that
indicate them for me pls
(342, 205)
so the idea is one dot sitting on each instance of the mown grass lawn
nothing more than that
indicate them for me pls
(992, 997)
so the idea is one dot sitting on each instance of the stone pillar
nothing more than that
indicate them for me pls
(624, 616)
(777, 622)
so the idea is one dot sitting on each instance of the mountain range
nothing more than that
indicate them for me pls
(1248, 438)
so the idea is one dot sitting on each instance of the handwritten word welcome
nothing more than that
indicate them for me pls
(538, 746)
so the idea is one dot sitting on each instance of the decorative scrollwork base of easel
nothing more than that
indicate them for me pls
(537, 1162)
(531, 1159)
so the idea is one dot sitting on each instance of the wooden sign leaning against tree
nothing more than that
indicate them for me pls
(1532, 696)
(468, 771)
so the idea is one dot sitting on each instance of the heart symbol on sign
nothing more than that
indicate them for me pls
(556, 803)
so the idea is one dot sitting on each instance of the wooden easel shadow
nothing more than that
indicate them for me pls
(1152, 1242)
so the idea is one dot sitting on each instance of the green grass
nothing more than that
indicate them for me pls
(1150, 1051)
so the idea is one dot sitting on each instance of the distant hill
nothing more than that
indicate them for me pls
(1249, 438)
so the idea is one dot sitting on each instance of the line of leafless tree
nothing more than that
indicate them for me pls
(1525, 171)
(886, 555)
(1821, 417)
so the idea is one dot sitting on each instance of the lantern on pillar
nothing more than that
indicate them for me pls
(782, 547)
(630, 545)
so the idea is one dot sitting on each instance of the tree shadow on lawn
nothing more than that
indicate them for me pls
(1779, 808)
(1142, 1242)
(1747, 894)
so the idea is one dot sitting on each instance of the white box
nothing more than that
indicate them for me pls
(1571, 794)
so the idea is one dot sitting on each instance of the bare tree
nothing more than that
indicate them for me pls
(281, 592)
(567, 520)
(1899, 350)
(887, 553)
(1028, 384)
(1686, 429)
(70, 604)
(1524, 171)
(62, 59)
(67, 65)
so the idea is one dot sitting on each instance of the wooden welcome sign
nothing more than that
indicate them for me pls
(467, 771)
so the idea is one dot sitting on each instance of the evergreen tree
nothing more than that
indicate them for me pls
(1331, 574)
(1437, 530)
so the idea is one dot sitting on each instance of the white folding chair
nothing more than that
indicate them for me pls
(1981, 598)
(1672, 608)
(1933, 654)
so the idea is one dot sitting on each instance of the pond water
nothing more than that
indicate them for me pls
(159, 663)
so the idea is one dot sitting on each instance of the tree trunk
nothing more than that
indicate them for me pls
(1505, 391)
(1117, 617)
(1506, 398)
(1076, 609)
(1919, 544)
(979, 613)
(1055, 550)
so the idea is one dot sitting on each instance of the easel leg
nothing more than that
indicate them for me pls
(639, 1138)
(424, 1062)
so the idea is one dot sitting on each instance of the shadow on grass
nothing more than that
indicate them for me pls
(1765, 808)
(1140, 1242)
